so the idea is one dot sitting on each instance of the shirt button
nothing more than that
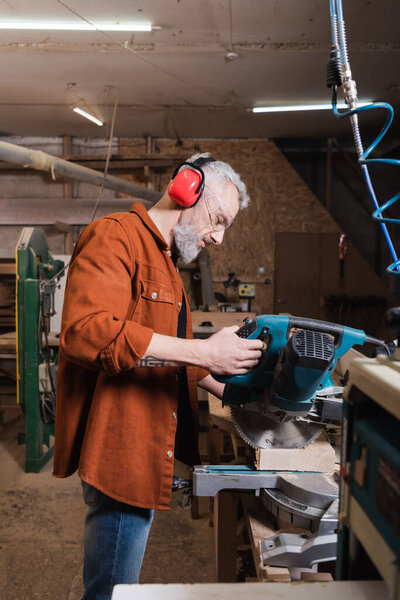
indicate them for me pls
(179, 304)
(176, 377)
(169, 252)
(154, 295)
(174, 415)
(170, 453)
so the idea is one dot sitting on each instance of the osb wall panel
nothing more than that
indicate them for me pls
(280, 202)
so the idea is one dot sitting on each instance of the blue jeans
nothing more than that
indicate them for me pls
(115, 540)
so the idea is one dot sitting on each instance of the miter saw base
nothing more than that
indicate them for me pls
(300, 551)
(308, 501)
(310, 504)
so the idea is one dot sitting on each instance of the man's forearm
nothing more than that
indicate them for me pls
(223, 353)
(212, 385)
(168, 351)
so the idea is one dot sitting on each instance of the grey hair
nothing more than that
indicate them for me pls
(222, 172)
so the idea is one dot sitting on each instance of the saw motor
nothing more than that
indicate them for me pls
(280, 403)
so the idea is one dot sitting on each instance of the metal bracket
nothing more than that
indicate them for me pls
(294, 550)
(300, 550)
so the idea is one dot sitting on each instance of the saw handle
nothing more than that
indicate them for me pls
(277, 329)
(334, 329)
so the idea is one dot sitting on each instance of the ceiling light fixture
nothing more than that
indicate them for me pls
(76, 26)
(231, 55)
(87, 115)
(300, 107)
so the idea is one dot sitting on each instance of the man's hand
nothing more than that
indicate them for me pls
(228, 354)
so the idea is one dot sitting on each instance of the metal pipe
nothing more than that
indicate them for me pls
(41, 161)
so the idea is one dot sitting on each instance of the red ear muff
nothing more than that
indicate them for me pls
(186, 187)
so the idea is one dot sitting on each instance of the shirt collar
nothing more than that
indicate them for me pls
(140, 210)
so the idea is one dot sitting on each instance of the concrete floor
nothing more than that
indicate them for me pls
(41, 533)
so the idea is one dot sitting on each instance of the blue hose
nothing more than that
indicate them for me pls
(363, 159)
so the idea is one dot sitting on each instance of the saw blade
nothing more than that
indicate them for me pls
(260, 431)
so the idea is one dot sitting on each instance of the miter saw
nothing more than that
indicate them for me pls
(284, 403)
(286, 400)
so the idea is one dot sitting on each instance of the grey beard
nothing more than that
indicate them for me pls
(187, 242)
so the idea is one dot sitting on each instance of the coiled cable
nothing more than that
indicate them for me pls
(335, 80)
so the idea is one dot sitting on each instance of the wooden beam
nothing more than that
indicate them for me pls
(318, 456)
(47, 211)
(225, 536)
(117, 162)
(42, 161)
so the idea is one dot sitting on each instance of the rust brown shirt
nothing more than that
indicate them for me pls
(115, 423)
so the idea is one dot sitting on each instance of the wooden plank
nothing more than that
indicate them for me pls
(318, 456)
(46, 211)
(215, 443)
(310, 576)
(261, 525)
(7, 268)
(225, 536)
(220, 319)
(345, 361)
(277, 574)
(8, 341)
(220, 415)
(240, 449)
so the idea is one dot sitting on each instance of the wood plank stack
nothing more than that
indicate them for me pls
(7, 295)
(8, 387)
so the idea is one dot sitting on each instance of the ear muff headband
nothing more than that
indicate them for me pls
(187, 185)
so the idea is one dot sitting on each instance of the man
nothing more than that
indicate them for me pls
(128, 368)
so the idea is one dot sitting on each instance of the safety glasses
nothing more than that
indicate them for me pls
(220, 216)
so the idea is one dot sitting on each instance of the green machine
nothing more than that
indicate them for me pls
(37, 276)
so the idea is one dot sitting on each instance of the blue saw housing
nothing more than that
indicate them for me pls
(294, 367)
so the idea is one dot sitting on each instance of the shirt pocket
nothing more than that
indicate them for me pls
(156, 292)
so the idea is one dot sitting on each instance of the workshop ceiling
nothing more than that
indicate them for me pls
(177, 81)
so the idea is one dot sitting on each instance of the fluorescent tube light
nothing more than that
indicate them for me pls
(75, 26)
(87, 115)
(300, 107)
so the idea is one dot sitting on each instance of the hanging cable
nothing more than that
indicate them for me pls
(337, 77)
(107, 159)
(125, 46)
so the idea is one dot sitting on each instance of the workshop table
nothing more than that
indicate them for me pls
(345, 590)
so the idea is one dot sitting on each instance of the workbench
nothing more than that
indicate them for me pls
(345, 590)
